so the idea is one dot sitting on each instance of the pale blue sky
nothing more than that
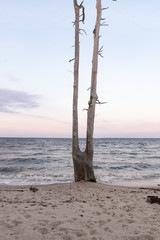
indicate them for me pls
(36, 79)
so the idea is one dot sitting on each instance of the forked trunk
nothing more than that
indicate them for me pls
(83, 167)
(83, 161)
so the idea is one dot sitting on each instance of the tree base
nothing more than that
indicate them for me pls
(83, 168)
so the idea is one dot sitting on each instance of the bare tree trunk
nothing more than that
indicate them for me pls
(83, 161)
(75, 145)
(93, 91)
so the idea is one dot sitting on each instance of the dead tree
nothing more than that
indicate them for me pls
(83, 161)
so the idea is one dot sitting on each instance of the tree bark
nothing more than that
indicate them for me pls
(75, 145)
(93, 91)
(83, 161)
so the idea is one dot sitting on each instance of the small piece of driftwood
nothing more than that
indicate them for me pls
(153, 199)
(33, 189)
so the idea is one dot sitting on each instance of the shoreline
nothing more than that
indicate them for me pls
(149, 183)
(78, 211)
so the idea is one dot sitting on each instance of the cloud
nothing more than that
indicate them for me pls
(12, 100)
(11, 77)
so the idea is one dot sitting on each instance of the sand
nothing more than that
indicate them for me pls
(78, 211)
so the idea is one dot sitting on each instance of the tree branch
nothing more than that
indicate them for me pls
(105, 8)
(71, 59)
(104, 24)
(82, 31)
(100, 52)
(98, 102)
(83, 12)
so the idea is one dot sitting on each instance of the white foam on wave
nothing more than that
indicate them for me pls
(36, 179)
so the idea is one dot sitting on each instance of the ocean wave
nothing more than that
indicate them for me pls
(50, 160)
(7, 169)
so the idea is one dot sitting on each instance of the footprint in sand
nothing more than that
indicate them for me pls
(27, 216)
(43, 230)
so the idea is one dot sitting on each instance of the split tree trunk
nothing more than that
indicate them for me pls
(83, 161)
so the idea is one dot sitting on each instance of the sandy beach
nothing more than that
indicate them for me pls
(84, 211)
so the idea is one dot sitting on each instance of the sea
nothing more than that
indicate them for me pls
(32, 161)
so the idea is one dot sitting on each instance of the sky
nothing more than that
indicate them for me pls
(36, 77)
